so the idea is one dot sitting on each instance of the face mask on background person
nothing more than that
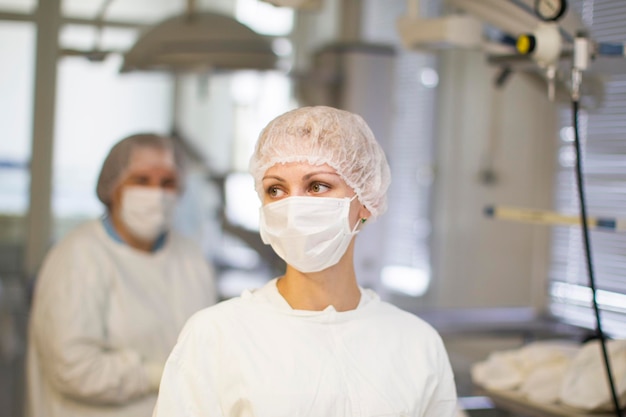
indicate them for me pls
(147, 212)
(309, 233)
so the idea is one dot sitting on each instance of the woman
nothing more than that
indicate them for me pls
(311, 342)
(112, 296)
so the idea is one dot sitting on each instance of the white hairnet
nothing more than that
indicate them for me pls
(117, 161)
(325, 135)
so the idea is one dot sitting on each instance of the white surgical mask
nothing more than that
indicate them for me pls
(309, 233)
(147, 212)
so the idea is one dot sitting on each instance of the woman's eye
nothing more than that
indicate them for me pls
(274, 191)
(169, 183)
(318, 187)
(139, 180)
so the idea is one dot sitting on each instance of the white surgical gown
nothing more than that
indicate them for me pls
(104, 316)
(254, 356)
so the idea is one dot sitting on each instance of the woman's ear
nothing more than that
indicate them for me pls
(364, 213)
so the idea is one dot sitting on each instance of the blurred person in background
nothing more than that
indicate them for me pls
(311, 342)
(112, 296)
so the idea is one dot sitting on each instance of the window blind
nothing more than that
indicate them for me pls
(603, 139)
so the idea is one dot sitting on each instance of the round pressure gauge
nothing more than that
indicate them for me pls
(550, 10)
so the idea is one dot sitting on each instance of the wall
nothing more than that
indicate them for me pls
(480, 262)
(313, 30)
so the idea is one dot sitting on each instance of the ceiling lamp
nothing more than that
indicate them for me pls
(200, 41)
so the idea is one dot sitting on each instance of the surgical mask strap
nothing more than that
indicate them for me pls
(354, 229)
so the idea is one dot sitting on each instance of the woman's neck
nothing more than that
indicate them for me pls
(336, 286)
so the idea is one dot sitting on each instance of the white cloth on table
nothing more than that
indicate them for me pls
(585, 384)
(535, 370)
(557, 372)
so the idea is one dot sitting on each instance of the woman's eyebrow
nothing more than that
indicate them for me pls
(311, 174)
(273, 177)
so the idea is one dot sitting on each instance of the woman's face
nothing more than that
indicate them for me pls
(148, 167)
(303, 179)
